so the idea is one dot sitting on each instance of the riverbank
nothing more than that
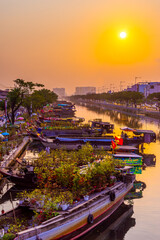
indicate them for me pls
(121, 108)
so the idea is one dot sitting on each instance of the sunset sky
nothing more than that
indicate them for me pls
(69, 43)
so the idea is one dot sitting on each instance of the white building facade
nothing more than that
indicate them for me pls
(84, 90)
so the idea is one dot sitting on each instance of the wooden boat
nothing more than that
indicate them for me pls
(125, 148)
(148, 135)
(60, 109)
(53, 119)
(117, 224)
(70, 132)
(132, 159)
(27, 179)
(133, 141)
(71, 143)
(105, 127)
(81, 218)
(140, 136)
(97, 128)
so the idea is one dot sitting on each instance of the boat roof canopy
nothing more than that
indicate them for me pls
(143, 131)
(128, 155)
(127, 147)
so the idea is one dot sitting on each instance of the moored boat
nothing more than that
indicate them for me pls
(129, 158)
(26, 179)
(81, 218)
(73, 143)
(105, 127)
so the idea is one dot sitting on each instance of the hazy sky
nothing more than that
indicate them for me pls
(69, 43)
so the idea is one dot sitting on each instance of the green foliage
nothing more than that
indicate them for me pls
(20, 225)
(9, 236)
(65, 197)
(76, 171)
(154, 96)
(42, 97)
(62, 179)
(38, 99)
(57, 169)
(124, 96)
(16, 96)
(101, 171)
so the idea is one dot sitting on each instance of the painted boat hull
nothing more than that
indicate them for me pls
(74, 223)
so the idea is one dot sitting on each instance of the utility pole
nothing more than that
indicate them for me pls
(111, 87)
(6, 114)
(136, 82)
(121, 85)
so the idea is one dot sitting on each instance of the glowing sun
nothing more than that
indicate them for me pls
(123, 35)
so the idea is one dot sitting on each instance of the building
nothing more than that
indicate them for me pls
(3, 94)
(60, 92)
(84, 90)
(145, 87)
(132, 88)
(152, 87)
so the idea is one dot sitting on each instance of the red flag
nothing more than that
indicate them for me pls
(119, 141)
(113, 145)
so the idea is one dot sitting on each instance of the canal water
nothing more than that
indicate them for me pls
(144, 223)
(147, 208)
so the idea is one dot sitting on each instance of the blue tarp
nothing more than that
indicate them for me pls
(62, 104)
(83, 139)
(5, 134)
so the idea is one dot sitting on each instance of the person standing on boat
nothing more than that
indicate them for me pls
(125, 136)
(122, 134)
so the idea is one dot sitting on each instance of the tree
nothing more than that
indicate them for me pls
(122, 97)
(38, 99)
(154, 96)
(16, 96)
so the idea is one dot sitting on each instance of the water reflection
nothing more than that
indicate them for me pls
(146, 208)
(115, 227)
(137, 190)
(35, 146)
(118, 117)
(149, 160)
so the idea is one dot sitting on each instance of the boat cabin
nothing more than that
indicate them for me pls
(128, 158)
(148, 135)
(128, 149)
(105, 127)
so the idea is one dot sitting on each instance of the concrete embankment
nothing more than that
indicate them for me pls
(121, 108)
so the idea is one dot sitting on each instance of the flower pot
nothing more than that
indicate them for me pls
(86, 198)
(64, 206)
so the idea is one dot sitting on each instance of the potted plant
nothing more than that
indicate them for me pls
(65, 199)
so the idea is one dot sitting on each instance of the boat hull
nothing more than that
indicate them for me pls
(28, 180)
(75, 222)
